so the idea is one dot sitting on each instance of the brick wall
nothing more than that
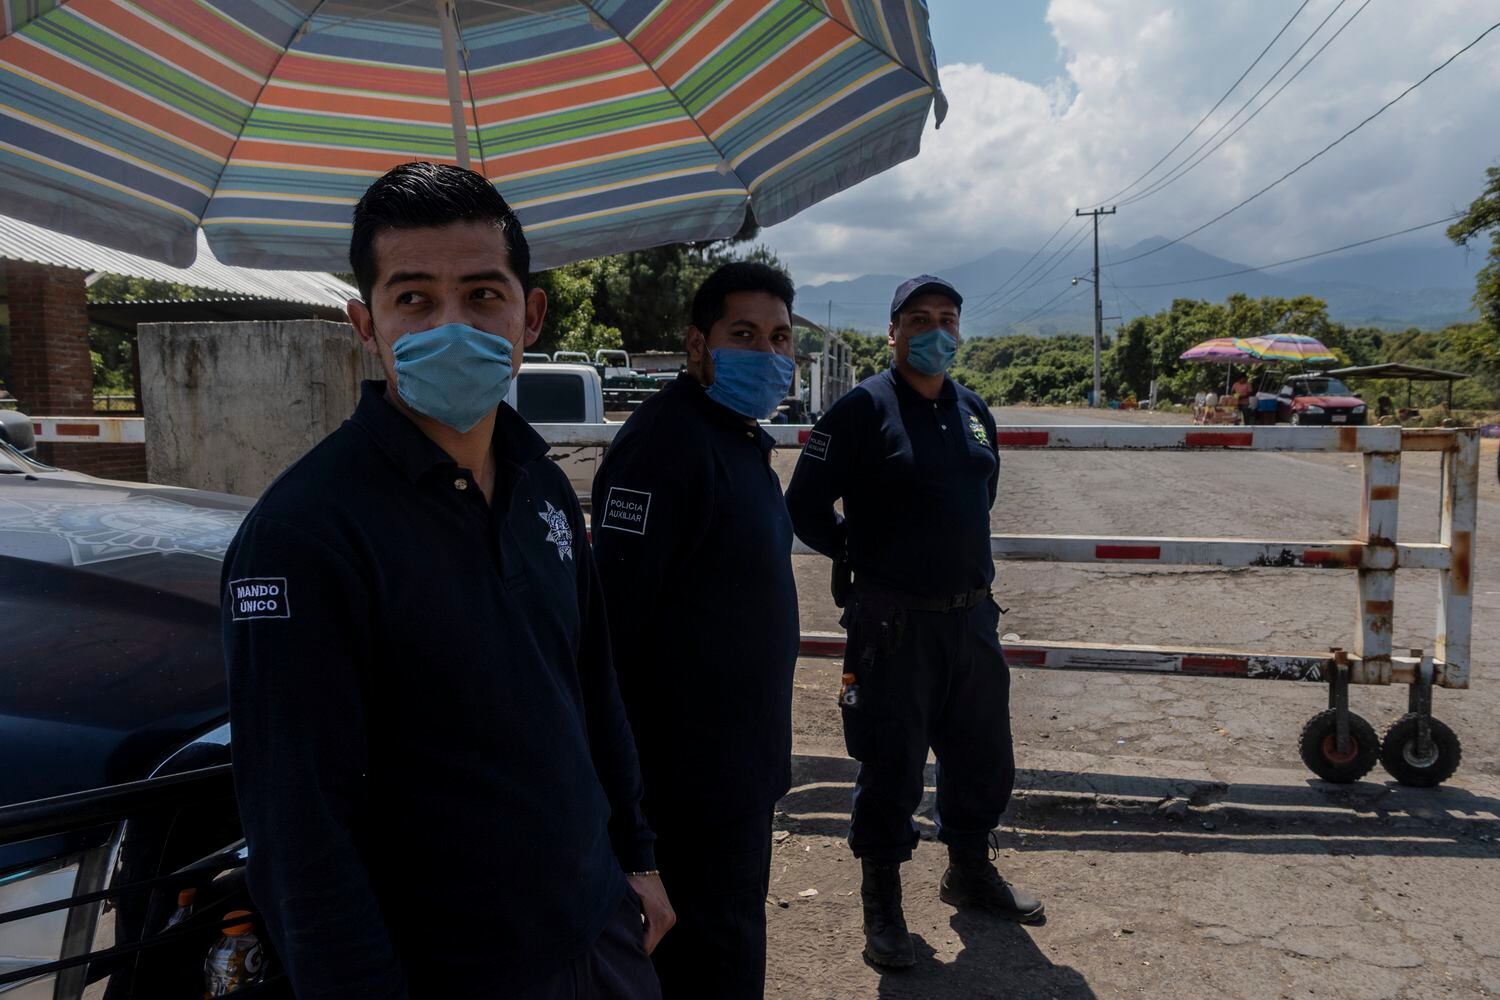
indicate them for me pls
(51, 374)
(107, 461)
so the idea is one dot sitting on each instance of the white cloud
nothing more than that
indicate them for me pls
(1013, 159)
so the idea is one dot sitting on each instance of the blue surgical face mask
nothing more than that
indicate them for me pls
(751, 383)
(931, 353)
(453, 373)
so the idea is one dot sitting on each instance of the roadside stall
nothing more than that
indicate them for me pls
(1397, 371)
(1210, 407)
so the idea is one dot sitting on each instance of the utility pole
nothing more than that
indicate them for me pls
(1098, 303)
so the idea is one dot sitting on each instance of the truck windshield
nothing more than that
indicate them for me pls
(547, 398)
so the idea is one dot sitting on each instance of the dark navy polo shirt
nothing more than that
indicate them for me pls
(437, 781)
(917, 477)
(694, 548)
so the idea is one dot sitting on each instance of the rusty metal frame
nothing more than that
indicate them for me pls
(1375, 555)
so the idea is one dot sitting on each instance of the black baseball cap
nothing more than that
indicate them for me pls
(921, 285)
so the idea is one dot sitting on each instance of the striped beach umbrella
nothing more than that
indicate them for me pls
(1293, 348)
(1219, 351)
(608, 124)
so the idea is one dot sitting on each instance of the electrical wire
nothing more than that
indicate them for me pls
(1039, 277)
(1383, 108)
(1044, 307)
(1211, 110)
(1001, 287)
(1189, 164)
(1294, 260)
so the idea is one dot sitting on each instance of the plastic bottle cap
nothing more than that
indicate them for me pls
(235, 930)
(186, 897)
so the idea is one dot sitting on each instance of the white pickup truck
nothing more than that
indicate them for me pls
(550, 393)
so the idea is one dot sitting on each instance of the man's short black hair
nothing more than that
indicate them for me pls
(423, 195)
(738, 276)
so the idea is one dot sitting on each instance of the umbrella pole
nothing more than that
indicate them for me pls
(447, 18)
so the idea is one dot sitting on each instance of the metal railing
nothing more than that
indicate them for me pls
(81, 960)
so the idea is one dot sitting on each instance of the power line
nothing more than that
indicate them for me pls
(1060, 255)
(1109, 276)
(1211, 110)
(1047, 305)
(1000, 287)
(1385, 107)
(1041, 270)
(1294, 260)
(1189, 164)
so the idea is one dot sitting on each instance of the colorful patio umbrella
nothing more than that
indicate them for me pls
(609, 124)
(1289, 347)
(1219, 351)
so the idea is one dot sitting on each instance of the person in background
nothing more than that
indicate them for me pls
(694, 547)
(913, 456)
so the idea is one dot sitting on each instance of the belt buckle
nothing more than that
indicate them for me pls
(958, 602)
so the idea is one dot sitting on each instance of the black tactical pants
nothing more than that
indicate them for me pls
(925, 679)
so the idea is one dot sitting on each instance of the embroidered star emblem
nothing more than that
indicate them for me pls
(977, 429)
(559, 531)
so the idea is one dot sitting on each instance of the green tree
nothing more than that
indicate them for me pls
(123, 288)
(1483, 217)
(1131, 360)
(594, 337)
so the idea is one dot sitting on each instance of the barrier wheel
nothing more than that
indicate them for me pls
(1319, 747)
(1399, 756)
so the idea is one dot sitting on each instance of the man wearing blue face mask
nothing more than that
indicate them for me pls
(438, 784)
(694, 548)
(912, 455)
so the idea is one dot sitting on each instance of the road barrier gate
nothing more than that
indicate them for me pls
(1336, 744)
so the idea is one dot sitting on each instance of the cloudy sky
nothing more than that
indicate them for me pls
(1055, 105)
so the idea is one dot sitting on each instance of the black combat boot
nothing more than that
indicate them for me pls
(886, 941)
(972, 882)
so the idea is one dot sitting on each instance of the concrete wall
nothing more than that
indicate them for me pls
(228, 406)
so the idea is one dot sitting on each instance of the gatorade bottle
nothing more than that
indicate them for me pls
(236, 961)
(184, 907)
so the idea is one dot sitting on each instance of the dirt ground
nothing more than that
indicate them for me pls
(1180, 846)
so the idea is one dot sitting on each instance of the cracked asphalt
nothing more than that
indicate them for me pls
(1180, 846)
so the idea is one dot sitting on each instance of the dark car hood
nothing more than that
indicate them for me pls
(109, 595)
(1328, 402)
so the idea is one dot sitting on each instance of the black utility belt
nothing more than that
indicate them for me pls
(914, 602)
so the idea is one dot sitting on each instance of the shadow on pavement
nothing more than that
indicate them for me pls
(1095, 811)
(999, 961)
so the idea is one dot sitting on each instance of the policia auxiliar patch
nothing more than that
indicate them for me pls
(259, 597)
(817, 445)
(626, 510)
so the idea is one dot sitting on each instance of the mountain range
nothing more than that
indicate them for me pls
(1427, 286)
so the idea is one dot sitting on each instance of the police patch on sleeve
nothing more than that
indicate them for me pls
(817, 445)
(626, 510)
(259, 597)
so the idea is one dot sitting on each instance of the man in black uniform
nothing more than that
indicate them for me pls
(694, 547)
(438, 784)
(913, 456)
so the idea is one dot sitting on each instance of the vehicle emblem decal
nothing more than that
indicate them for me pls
(559, 531)
(120, 528)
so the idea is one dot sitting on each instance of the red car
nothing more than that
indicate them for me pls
(1318, 399)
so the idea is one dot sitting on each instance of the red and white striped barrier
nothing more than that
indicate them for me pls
(89, 430)
(1153, 660)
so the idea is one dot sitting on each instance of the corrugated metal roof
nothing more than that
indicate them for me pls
(23, 241)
